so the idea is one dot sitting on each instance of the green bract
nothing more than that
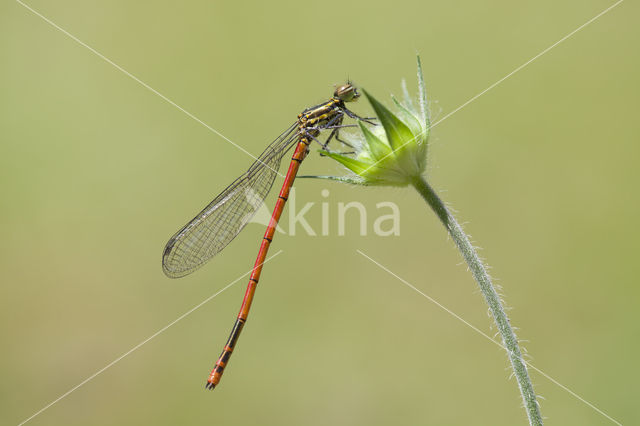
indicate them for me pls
(393, 153)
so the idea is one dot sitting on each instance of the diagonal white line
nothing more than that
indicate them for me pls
(527, 63)
(560, 385)
(112, 363)
(145, 85)
(499, 81)
(477, 330)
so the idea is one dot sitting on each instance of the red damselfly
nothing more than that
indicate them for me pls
(223, 219)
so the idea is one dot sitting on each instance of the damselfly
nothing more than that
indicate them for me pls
(219, 223)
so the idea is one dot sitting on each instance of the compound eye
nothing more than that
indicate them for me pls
(346, 93)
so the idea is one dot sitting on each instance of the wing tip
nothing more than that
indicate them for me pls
(169, 270)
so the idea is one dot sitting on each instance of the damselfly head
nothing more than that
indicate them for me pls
(346, 93)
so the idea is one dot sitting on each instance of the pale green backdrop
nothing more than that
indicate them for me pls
(97, 172)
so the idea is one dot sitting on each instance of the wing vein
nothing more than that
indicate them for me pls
(225, 216)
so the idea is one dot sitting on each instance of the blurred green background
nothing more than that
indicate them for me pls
(97, 172)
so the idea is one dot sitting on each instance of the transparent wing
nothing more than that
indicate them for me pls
(219, 223)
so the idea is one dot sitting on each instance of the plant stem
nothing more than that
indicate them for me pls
(479, 271)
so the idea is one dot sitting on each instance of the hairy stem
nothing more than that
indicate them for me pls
(479, 271)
